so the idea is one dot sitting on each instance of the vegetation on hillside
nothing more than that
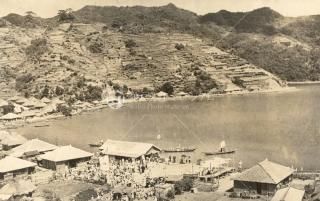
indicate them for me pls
(289, 63)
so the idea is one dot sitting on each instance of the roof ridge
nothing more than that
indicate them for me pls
(266, 170)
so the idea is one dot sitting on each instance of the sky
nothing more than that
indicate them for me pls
(49, 8)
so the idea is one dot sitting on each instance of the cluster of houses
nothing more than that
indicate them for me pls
(24, 108)
(23, 158)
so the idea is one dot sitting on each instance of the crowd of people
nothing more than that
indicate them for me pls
(131, 177)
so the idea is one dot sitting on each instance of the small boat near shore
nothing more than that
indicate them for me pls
(96, 144)
(178, 149)
(41, 125)
(221, 151)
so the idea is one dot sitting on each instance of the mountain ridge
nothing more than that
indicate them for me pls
(231, 31)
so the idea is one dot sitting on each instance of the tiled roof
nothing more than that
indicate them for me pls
(65, 153)
(288, 194)
(9, 164)
(265, 172)
(127, 149)
(32, 145)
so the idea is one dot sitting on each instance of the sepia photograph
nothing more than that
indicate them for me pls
(159, 100)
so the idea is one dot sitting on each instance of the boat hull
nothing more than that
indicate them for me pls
(220, 152)
(177, 151)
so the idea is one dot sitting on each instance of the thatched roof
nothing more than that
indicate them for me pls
(10, 116)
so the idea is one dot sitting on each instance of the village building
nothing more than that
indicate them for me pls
(64, 157)
(263, 178)
(116, 150)
(11, 167)
(288, 194)
(10, 117)
(15, 190)
(162, 94)
(32, 148)
(11, 141)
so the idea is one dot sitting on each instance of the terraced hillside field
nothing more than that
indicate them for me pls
(63, 55)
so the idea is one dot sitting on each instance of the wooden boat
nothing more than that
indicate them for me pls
(178, 149)
(41, 125)
(220, 152)
(96, 144)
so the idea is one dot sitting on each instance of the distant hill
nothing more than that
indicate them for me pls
(144, 19)
(285, 46)
(260, 20)
(24, 21)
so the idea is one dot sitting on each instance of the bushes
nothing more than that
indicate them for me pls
(23, 80)
(130, 43)
(179, 46)
(65, 110)
(96, 47)
(37, 48)
(8, 109)
(59, 90)
(185, 184)
(167, 87)
(93, 93)
(170, 194)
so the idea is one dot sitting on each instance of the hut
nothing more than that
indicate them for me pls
(162, 94)
(39, 105)
(29, 104)
(11, 167)
(64, 157)
(288, 194)
(10, 117)
(12, 141)
(3, 103)
(14, 98)
(17, 189)
(182, 94)
(263, 178)
(128, 150)
(45, 100)
(28, 114)
(21, 100)
(32, 148)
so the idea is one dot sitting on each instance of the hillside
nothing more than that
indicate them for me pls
(74, 60)
(284, 46)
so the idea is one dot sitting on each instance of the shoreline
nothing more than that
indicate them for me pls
(303, 83)
(57, 116)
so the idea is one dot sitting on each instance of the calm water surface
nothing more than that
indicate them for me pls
(283, 127)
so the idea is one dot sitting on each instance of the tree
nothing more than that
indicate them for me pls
(179, 46)
(59, 91)
(93, 93)
(23, 80)
(130, 43)
(65, 110)
(185, 184)
(37, 48)
(167, 87)
(8, 108)
(66, 15)
(45, 92)
(170, 194)
(30, 16)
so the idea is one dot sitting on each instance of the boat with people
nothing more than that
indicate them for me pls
(222, 150)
